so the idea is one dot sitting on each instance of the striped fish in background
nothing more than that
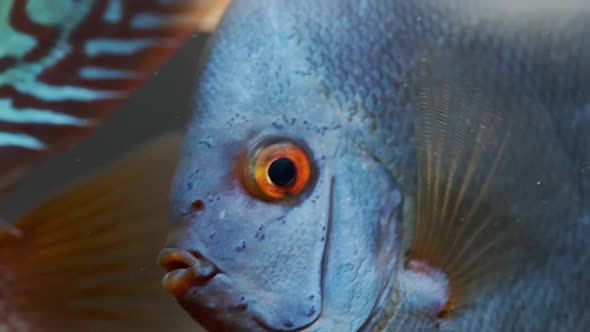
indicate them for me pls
(66, 64)
(85, 260)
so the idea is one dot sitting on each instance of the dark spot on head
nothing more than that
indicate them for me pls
(241, 247)
(243, 305)
(198, 205)
(260, 232)
(288, 324)
(311, 297)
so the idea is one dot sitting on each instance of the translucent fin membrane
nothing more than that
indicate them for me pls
(486, 171)
(85, 260)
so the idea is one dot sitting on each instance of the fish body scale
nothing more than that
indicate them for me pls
(373, 51)
(66, 65)
(25, 59)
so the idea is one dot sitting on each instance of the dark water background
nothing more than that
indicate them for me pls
(162, 104)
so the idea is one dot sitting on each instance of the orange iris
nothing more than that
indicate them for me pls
(278, 171)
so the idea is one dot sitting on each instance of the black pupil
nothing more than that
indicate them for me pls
(282, 171)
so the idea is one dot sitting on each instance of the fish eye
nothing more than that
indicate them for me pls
(278, 169)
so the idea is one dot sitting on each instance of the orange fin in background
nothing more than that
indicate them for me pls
(85, 259)
(66, 65)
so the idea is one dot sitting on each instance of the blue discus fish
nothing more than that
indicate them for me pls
(388, 165)
(85, 259)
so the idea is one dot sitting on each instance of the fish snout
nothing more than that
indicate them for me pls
(185, 269)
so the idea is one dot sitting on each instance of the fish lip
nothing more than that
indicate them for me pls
(186, 267)
(188, 257)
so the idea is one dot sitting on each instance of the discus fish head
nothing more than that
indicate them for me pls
(282, 220)
(275, 229)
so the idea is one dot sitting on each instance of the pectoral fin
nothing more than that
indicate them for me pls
(490, 178)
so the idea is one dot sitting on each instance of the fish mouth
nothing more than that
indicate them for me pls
(207, 294)
(186, 268)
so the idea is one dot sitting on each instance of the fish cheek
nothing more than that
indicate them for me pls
(269, 254)
(363, 247)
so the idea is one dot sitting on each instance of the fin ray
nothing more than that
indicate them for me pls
(477, 159)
